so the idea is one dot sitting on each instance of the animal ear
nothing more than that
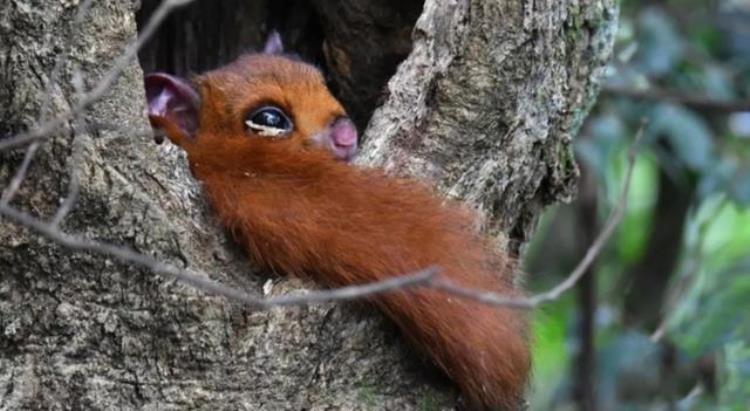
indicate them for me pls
(173, 106)
(274, 44)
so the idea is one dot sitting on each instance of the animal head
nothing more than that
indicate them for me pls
(259, 98)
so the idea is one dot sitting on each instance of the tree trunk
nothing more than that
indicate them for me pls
(485, 107)
(488, 101)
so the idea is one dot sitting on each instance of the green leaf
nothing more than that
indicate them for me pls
(734, 375)
(661, 45)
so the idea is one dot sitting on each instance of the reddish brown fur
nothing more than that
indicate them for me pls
(297, 211)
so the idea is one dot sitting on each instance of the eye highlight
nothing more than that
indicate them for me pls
(269, 121)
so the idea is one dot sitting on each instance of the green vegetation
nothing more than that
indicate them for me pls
(671, 290)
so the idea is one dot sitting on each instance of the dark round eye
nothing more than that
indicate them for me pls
(269, 121)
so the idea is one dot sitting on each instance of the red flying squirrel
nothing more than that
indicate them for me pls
(262, 135)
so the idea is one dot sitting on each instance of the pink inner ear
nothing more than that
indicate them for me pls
(158, 104)
(274, 45)
(172, 100)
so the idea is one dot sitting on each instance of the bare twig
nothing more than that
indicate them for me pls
(68, 203)
(52, 231)
(695, 102)
(83, 10)
(693, 395)
(594, 250)
(103, 86)
(20, 175)
(203, 283)
(424, 278)
(687, 279)
(421, 278)
(427, 277)
(15, 184)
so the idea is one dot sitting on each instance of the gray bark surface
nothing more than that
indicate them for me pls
(487, 103)
(484, 107)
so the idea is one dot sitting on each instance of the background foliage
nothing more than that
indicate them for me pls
(662, 322)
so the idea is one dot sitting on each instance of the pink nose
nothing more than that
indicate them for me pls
(343, 133)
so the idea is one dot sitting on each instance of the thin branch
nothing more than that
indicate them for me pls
(695, 102)
(203, 283)
(424, 278)
(427, 277)
(67, 205)
(83, 11)
(20, 175)
(594, 250)
(693, 395)
(687, 279)
(200, 281)
(103, 86)
(73, 183)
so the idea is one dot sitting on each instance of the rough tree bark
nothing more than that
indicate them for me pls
(488, 101)
(484, 107)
